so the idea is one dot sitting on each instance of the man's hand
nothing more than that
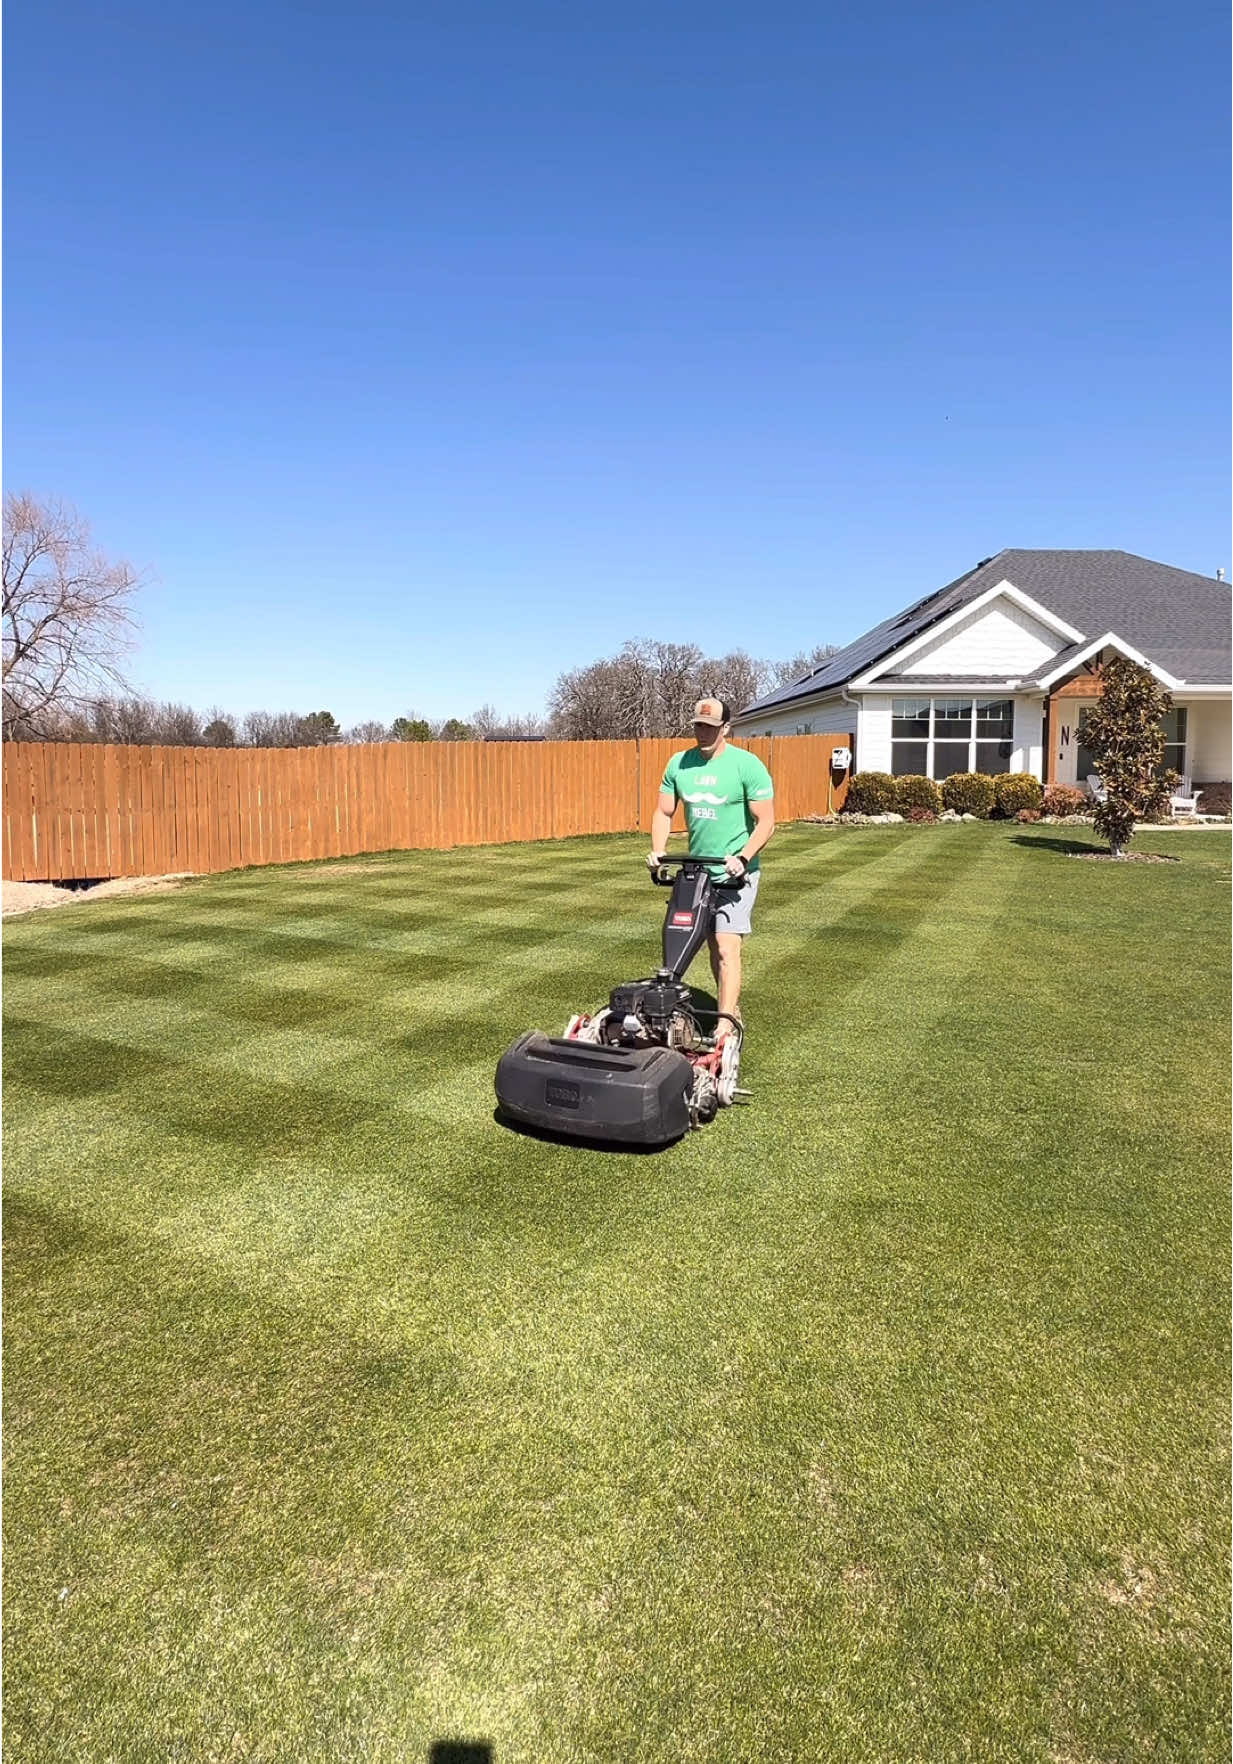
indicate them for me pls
(736, 867)
(654, 859)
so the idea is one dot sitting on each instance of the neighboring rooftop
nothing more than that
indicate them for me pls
(1178, 619)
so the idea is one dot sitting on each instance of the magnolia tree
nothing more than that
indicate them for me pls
(1126, 739)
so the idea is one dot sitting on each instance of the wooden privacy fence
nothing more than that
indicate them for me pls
(89, 811)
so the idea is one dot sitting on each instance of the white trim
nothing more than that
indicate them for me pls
(927, 688)
(1204, 691)
(1003, 589)
(1110, 640)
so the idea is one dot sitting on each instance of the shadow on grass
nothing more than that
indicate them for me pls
(1068, 847)
(461, 1752)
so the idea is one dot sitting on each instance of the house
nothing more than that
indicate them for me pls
(994, 672)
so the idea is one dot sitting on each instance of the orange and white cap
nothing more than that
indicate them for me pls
(711, 710)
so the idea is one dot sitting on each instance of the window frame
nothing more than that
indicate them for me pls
(940, 729)
(1179, 746)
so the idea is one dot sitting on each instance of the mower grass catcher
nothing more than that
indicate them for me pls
(650, 1066)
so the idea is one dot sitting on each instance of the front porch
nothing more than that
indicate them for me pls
(1198, 735)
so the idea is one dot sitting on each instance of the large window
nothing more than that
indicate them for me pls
(1174, 725)
(938, 736)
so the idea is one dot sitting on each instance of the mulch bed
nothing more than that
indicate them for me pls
(1127, 857)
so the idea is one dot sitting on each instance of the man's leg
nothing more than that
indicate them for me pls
(726, 967)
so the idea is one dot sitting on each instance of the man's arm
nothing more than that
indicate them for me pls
(764, 825)
(661, 824)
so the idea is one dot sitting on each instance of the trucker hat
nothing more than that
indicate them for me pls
(711, 710)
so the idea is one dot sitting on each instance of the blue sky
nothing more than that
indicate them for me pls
(420, 352)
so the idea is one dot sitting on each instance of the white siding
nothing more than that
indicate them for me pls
(1209, 739)
(1000, 639)
(1029, 753)
(873, 734)
(817, 716)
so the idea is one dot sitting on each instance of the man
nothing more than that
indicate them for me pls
(730, 814)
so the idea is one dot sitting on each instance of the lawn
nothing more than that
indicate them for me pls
(884, 1420)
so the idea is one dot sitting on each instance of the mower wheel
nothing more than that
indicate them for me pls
(729, 1070)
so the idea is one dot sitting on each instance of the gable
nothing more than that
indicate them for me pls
(997, 640)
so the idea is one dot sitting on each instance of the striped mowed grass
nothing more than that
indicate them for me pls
(884, 1419)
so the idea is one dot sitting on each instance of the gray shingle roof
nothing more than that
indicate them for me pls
(1177, 619)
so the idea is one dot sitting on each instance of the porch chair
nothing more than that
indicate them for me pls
(1185, 801)
(1095, 787)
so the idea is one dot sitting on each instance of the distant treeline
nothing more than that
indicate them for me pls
(138, 722)
(646, 689)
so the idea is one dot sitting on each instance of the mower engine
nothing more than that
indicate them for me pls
(652, 1064)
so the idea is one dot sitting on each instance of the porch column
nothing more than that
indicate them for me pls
(1080, 686)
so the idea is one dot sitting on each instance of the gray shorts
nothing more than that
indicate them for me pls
(734, 906)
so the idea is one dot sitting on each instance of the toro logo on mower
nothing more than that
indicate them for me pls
(682, 918)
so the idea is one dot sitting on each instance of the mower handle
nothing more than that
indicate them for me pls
(661, 877)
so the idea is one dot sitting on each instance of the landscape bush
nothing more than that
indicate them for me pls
(1026, 815)
(1065, 799)
(871, 793)
(1014, 791)
(915, 792)
(920, 815)
(969, 793)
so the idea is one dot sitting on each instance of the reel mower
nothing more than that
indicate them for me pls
(650, 1066)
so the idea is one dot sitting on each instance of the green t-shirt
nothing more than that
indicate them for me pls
(717, 793)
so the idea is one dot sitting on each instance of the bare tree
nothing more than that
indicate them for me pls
(178, 725)
(67, 620)
(272, 729)
(364, 734)
(488, 724)
(650, 688)
(738, 678)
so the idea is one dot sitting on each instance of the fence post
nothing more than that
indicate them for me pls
(637, 783)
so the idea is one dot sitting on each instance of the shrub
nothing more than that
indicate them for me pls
(1016, 790)
(920, 815)
(915, 792)
(871, 793)
(1065, 799)
(1023, 816)
(969, 793)
(1214, 798)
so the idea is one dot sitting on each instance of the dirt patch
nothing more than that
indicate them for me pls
(1127, 857)
(349, 869)
(1136, 1585)
(31, 897)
